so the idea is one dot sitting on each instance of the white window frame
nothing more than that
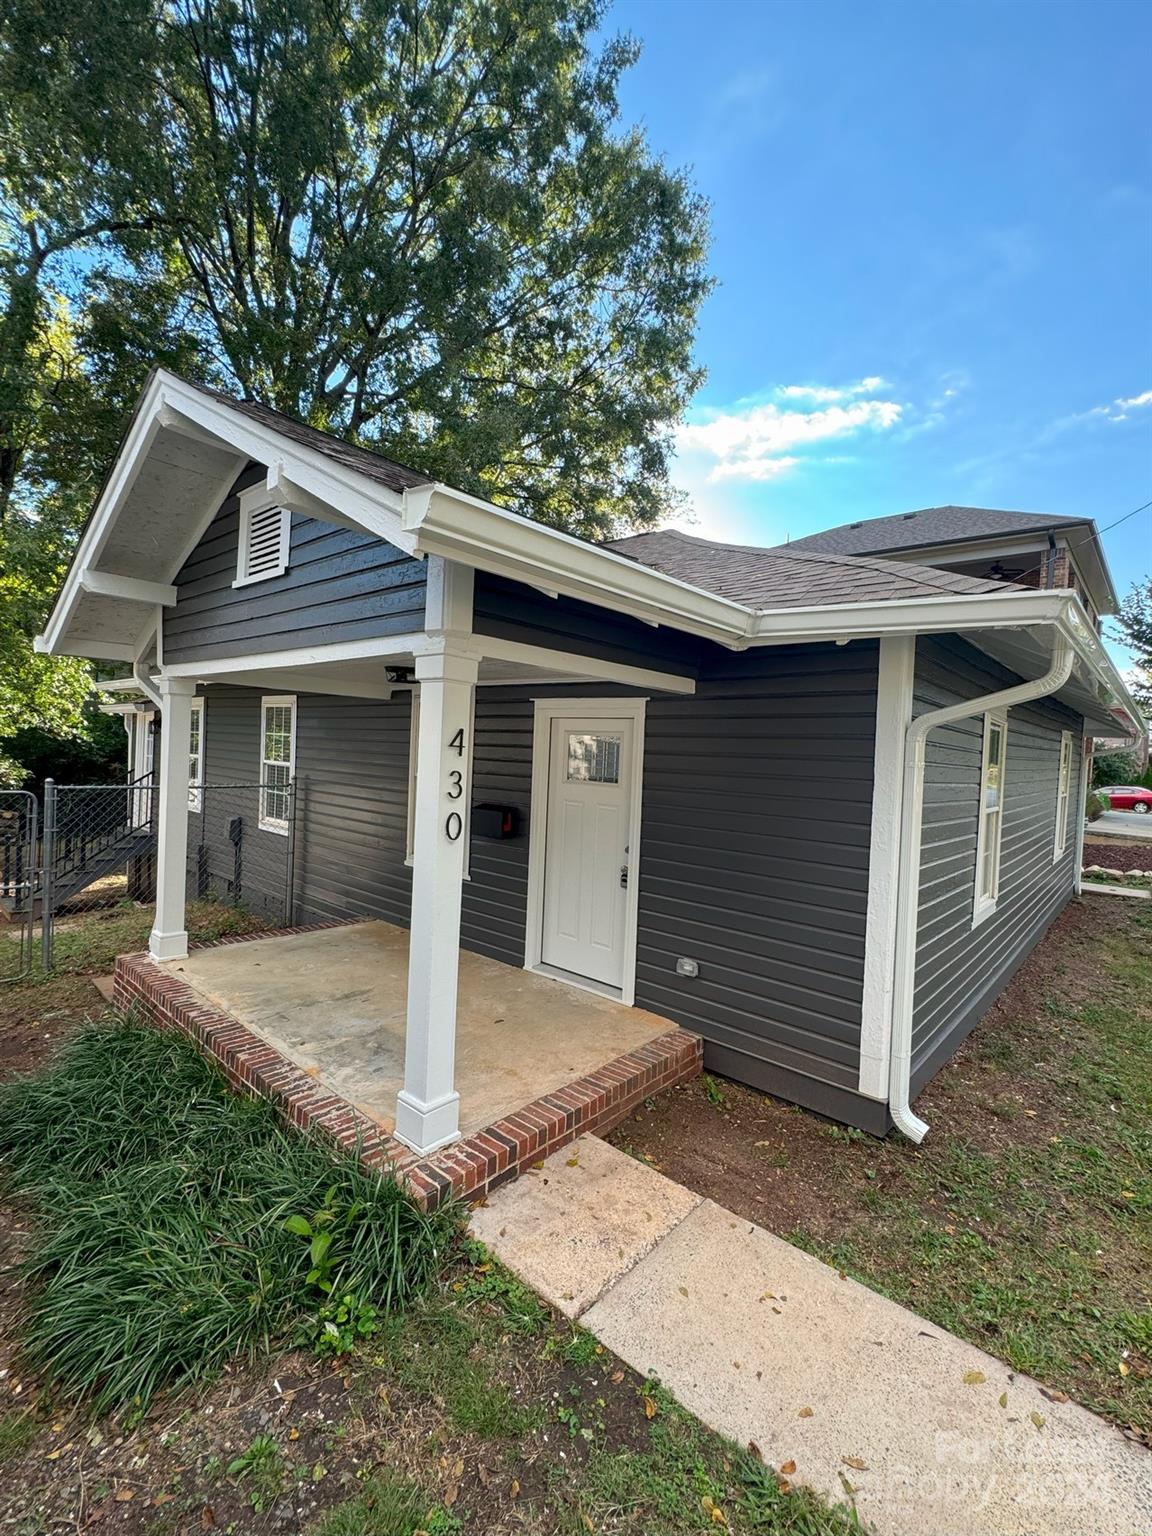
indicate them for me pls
(275, 701)
(252, 502)
(413, 750)
(1063, 796)
(984, 902)
(196, 759)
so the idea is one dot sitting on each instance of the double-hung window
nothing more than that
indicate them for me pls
(196, 757)
(991, 826)
(277, 761)
(1063, 793)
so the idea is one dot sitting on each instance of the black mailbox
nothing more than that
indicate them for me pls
(496, 821)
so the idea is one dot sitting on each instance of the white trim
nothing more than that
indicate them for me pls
(448, 597)
(129, 588)
(1063, 796)
(547, 710)
(428, 1106)
(489, 648)
(911, 827)
(414, 643)
(198, 714)
(267, 702)
(253, 502)
(169, 937)
(413, 761)
(1083, 781)
(894, 689)
(985, 903)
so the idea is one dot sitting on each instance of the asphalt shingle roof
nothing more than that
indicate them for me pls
(928, 526)
(397, 477)
(790, 577)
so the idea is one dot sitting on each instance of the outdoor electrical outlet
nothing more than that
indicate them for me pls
(686, 967)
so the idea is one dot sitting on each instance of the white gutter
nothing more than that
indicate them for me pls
(908, 866)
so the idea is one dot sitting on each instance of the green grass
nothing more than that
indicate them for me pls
(685, 1479)
(1035, 1244)
(388, 1505)
(18, 1429)
(162, 1251)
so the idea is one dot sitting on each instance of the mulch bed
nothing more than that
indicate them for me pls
(1117, 853)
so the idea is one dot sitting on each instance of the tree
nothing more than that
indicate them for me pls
(414, 224)
(1136, 626)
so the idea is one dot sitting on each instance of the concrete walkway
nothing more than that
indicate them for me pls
(766, 1344)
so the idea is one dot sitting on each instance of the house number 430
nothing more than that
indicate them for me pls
(454, 825)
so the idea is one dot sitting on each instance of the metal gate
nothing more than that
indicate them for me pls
(94, 850)
(19, 881)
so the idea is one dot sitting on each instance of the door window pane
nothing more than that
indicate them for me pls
(593, 759)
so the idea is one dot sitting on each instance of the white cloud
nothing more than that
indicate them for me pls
(755, 440)
(1118, 409)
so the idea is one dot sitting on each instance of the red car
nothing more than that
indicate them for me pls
(1128, 797)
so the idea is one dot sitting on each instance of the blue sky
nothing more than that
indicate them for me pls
(932, 231)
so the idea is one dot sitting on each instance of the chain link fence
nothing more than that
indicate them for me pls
(19, 881)
(94, 849)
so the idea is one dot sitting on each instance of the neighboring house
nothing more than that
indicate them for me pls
(1028, 549)
(815, 807)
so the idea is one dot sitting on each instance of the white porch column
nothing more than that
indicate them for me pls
(428, 1106)
(169, 940)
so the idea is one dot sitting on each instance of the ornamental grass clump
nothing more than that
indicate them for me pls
(171, 1212)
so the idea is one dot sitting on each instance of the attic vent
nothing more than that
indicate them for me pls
(264, 533)
(907, 516)
(855, 525)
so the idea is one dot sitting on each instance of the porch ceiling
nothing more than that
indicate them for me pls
(334, 1002)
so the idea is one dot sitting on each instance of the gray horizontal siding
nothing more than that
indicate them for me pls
(753, 858)
(341, 584)
(508, 610)
(961, 969)
(352, 789)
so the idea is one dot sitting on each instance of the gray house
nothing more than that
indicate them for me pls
(813, 806)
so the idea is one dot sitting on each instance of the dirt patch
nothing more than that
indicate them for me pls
(1022, 1220)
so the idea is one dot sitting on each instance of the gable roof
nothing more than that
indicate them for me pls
(790, 577)
(365, 461)
(928, 527)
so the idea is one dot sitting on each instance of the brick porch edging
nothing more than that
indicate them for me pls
(468, 1168)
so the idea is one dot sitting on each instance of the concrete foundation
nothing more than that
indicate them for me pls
(334, 1002)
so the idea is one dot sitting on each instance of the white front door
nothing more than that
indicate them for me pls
(586, 852)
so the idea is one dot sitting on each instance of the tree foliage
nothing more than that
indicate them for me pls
(418, 225)
(415, 223)
(1136, 625)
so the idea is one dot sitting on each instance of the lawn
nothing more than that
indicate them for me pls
(165, 1231)
(1023, 1221)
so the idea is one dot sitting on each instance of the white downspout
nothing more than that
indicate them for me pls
(908, 867)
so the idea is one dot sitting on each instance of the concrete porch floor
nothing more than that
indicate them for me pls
(333, 1001)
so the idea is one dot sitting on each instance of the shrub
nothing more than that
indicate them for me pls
(171, 1211)
(1094, 805)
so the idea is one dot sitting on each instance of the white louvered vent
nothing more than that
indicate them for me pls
(264, 533)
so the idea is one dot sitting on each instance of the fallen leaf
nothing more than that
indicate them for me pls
(857, 1463)
(649, 1408)
(163, 1498)
(293, 1434)
(1038, 1419)
(1125, 1368)
(788, 1467)
(1053, 1395)
(683, 1289)
(451, 1494)
(805, 1413)
(122, 1495)
(52, 1456)
(514, 1489)
(974, 1378)
(1003, 1399)
(484, 1475)
(573, 1162)
(207, 1518)
(617, 1376)
(754, 1450)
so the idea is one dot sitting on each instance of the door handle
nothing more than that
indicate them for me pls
(623, 877)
